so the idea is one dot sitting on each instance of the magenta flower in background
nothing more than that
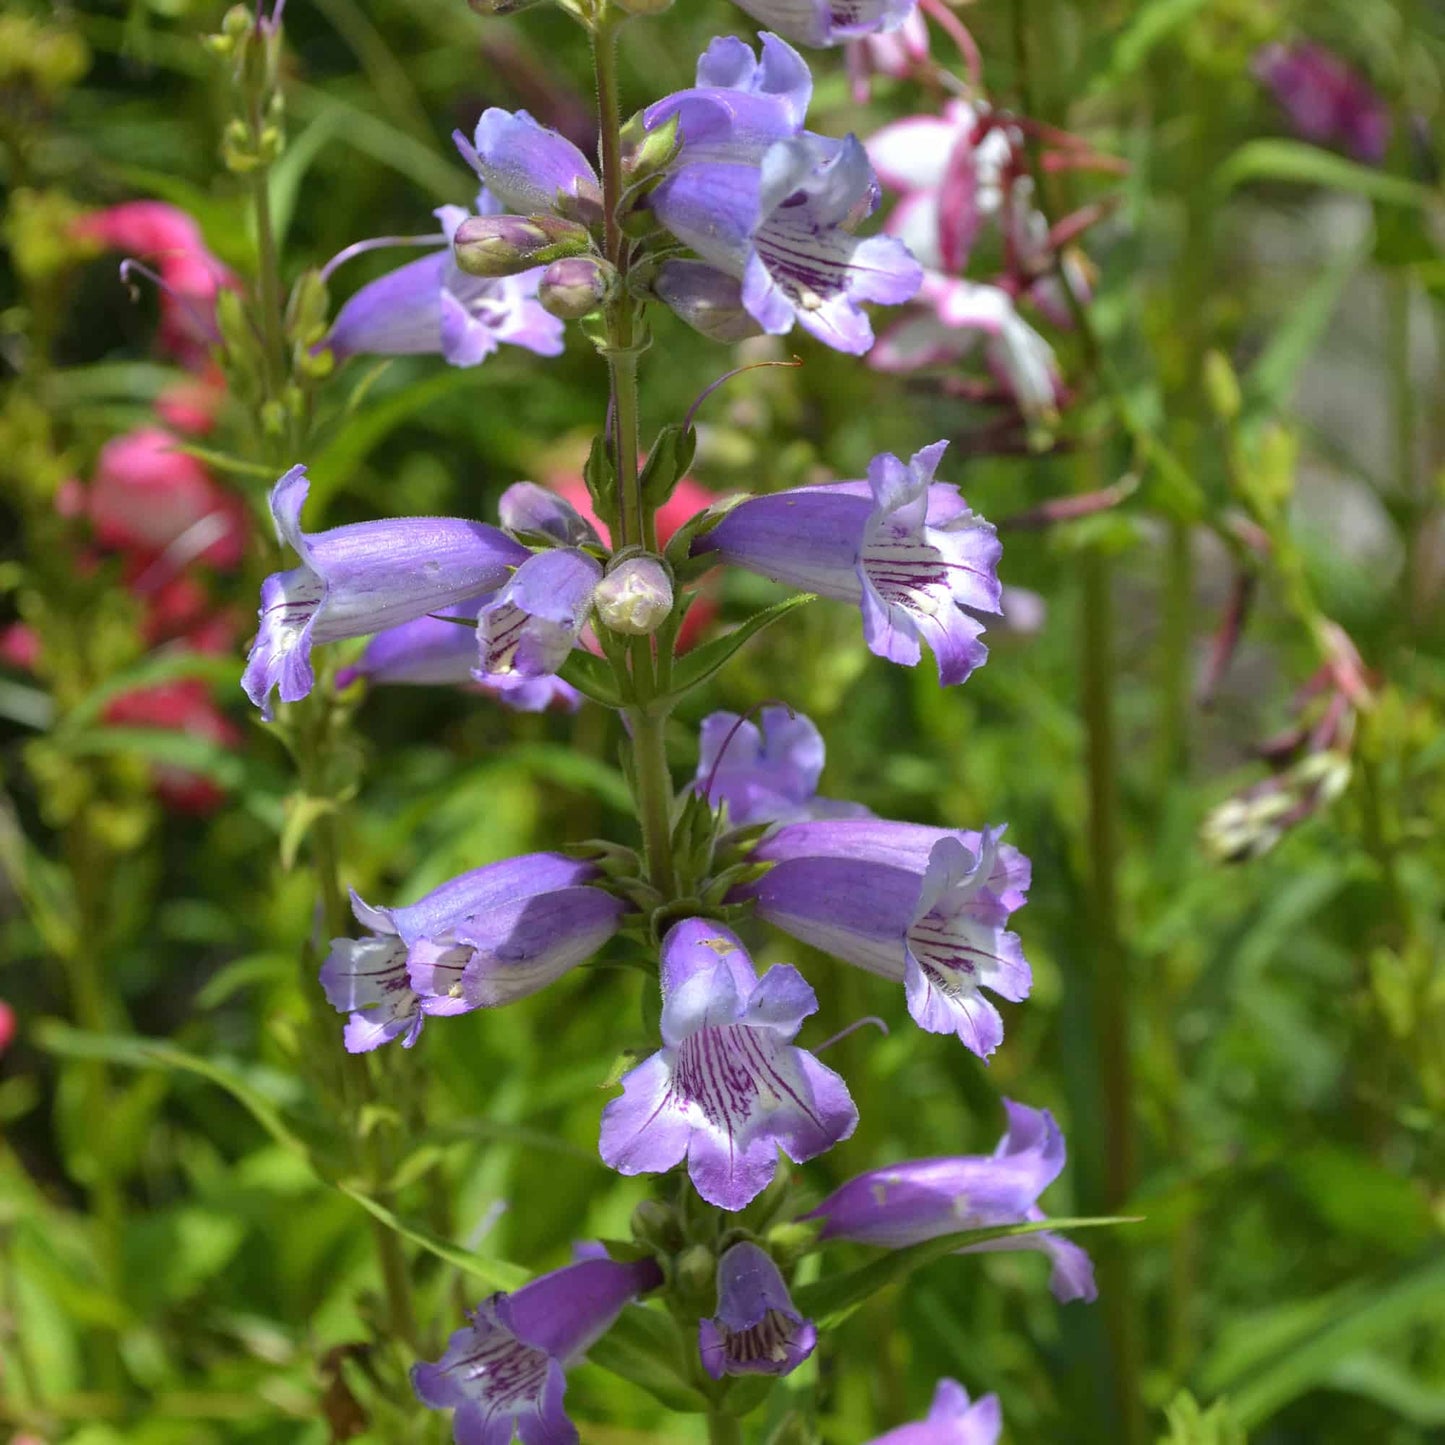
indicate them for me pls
(1325, 99)
(952, 1420)
(504, 1373)
(897, 54)
(728, 1089)
(359, 579)
(432, 307)
(924, 906)
(480, 940)
(757, 1330)
(905, 549)
(920, 1199)
(767, 773)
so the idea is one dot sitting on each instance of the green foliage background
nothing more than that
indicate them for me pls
(187, 1225)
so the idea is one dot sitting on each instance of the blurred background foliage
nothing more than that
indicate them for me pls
(1246, 1051)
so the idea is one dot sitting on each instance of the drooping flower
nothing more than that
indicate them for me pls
(527, 630)
(728, 1088)
(924, 906)
(767, 773)
(1326, 99)
(531, 169)
(826, 22)
(431, 306)
(483, 939)
(505, 1373)
(359, 579)
(922, 1199)
(952, 1420)
(906, 549)
(757, 1329)
(148, 494)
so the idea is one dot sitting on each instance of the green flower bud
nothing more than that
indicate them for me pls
(576, 286)
(635, 597)
(505, 245)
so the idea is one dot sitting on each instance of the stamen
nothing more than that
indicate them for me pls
(377, 243)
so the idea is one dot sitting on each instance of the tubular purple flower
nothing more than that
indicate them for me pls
(924, 906)
(922, 1199)
(358, 579)
(728, 1089)
(504, 1373)
(531, 169)
(906, 549)
(431, 306)
(481, 939)
(527, 508)
(529, 627)
(708, 300)
(768, 774)
(825, 22)
(757, 1330)
(952, 1420)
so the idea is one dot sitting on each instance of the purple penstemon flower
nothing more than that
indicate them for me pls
(924, 906)
(728, 1088)
(952, 1420)
(504, 1373)
(527, 630)
(767, 773)
(531, 169)
(359, 579)
(483, 939)
(905, 548)
(431, 306)
(757, 1330)
(829, 22)
(920, 1199)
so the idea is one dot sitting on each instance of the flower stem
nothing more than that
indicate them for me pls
(723, 1429)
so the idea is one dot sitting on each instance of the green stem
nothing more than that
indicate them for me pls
(654, 798)
(723, 1429)
(268, 281)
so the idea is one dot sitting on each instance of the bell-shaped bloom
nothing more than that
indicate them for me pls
(431, 306)
(824, 22)
(526, 508)
(960, 317)
(359, 579)
(505, 1373)
(435, 652)
(767, 773)
(728, 1088)
(922, 1199)
(1326, 99)
(531, 169)
(483, 939)
(952, 1420)
(924, 906)
(529, 627)
(907, 550)
(708, 300)
(148, 495)
(757, 1329)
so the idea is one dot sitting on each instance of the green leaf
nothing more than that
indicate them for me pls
(644, 1348)
(592, 677)
(564, 766)
(159, 745)
(702, 662)
(1151, 25)
(1291, 160)
(833, 1299)
(495, 1273)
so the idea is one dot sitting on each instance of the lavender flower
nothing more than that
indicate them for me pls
(768, 774)
(757, 1330)
(708, 300)
(531, 169)
(906, 549)
(922, 1199)
(825, 22)
(952, 1420)
(358, 579)
(529, 627)
(504, 1373)
(480, 940)
(773, 206)
(431, 306)
(528, 509)
(727, 1089)
(920, 905)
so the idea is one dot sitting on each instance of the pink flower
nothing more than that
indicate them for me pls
(897, 54)
(184, 706)
(7, 1025)
(20, 647)
(166, 238)
(1325, 99)
(147, 495)
(191, 405)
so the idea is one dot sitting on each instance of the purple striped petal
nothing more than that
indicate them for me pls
(757, 1330)
(531, 625)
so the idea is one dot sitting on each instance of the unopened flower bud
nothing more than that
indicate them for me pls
(635, 597)
(505, 245)
(696, 1272)
(648, 152)
(654, 1224)
(574, 287)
